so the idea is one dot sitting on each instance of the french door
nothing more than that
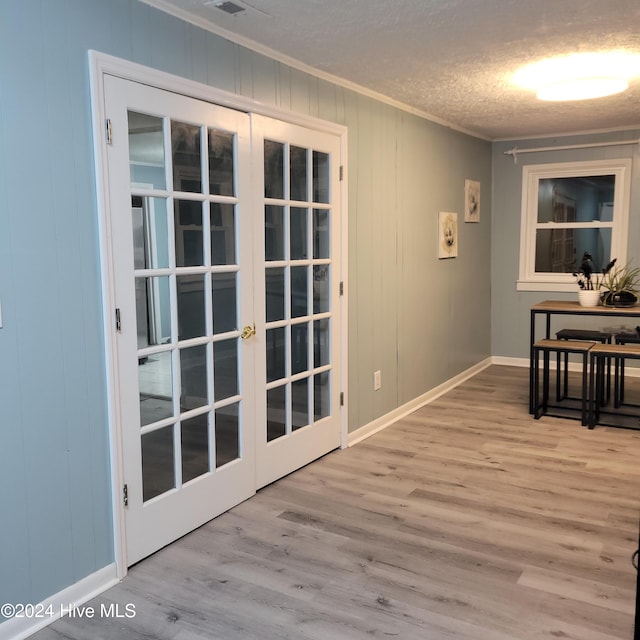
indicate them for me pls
(297, 286)
(224, 235)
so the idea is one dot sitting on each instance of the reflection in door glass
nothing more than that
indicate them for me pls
(299, 404)
(191, 317)
(321, 288)
(193, 377)
(299, 292)
(320, 177)
(299, 348)
(298, 173)
(188, 233)
(276, 413)
(146, 150)
(150, 237)
(274, 294)
(155, 381)
(298, 234)
(321, 237)
(273, 233)
(275, 353)
(223, 233)
(224, 302)
(194, 438)
(227, 434)
(153, 313)
(225, 369)
(157, 463)
(187, 161)
(321, 342)
(273, 169)
(321, 398)
(221, 181)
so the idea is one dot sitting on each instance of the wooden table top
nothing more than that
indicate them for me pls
(573, 306)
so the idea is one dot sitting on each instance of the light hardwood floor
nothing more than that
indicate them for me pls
(466, 520)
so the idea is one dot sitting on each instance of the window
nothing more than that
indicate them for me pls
(567, 209)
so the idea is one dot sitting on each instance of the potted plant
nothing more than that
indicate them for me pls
(590, 285)
(620, 286)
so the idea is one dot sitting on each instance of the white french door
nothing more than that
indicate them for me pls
(297, 295)
(224, 235)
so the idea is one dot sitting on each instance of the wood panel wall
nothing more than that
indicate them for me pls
(417, 319)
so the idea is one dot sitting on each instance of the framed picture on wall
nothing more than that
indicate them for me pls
(447, 234)
(471, 201)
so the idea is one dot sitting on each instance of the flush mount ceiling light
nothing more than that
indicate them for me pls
(227, 7)
(579, 76)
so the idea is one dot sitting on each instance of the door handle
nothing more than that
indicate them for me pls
(248, 331)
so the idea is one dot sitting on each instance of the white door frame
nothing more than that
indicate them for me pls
(101, 64)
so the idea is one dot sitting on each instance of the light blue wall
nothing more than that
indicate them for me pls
(418, 319)
(509, 307)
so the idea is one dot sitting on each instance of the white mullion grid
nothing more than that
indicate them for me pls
(156, 426)
(309, 175)
(149, 273)
(323, 369)
(149, 192)
(153, 350)
(235, 201)
(286, 223)
(173, 303)
(594, 224)
(204, 158)
(168, 154)
(226, 402)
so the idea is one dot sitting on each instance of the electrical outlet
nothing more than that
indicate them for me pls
(377, 380)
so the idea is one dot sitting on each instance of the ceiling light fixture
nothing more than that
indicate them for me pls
(228, 7)
(579, 76)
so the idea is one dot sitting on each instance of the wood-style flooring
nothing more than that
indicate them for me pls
(467, 520)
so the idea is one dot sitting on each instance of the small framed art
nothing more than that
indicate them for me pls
(471, 201)
(447, 234)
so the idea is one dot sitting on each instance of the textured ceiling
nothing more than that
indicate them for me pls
(449, 59)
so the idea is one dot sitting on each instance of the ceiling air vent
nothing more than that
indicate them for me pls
(229, 7)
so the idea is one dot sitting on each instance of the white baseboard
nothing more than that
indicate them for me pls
(384, 421)
(45, 612)
(630, 369)
(510, 362)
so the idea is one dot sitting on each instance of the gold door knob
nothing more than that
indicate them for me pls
(248, 331)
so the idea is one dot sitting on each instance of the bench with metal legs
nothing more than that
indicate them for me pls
(545, 348)
(616, 417)
(623, 338)
(562, 391)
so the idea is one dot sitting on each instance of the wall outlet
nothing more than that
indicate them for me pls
(377, 380)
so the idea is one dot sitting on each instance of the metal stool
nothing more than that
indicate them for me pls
(623, 337)
(580, 334)
(559, 347)
(598, 354)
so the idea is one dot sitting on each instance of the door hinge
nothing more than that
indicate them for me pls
(342, 398)
(341, 287)
(341, 171)
(118, 321)
(107, 131)
(125, 495)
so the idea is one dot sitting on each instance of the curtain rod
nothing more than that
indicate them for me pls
(515, 151)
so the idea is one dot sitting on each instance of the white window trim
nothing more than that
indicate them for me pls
(528, 279)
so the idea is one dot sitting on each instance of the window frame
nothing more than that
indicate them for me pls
(529, 279)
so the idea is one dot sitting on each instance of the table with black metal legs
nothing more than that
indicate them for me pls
(550, 308)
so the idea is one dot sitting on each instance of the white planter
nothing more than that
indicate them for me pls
(589, 297)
